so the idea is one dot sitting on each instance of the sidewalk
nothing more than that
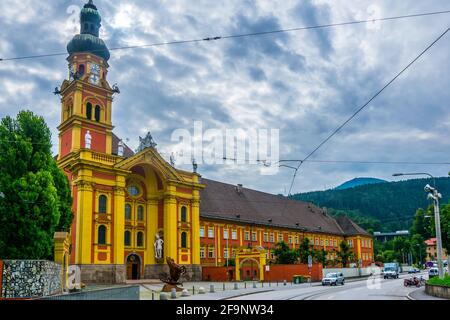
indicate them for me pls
(420, 294)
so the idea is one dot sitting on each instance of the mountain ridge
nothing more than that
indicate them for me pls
(360, 181)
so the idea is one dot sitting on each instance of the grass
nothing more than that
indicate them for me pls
(440, 282)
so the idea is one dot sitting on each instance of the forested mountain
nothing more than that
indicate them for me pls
(358, 182)
(386, 206)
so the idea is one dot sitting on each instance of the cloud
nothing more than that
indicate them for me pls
(304, 83)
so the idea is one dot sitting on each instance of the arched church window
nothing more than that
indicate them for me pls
(140, 213)
(102, 204)
(81, 69)
(184, 240)
(89, 111)
(97, 113)
(86, 27)
(127, 212)
(140, 239)
(102, 235)
(127, 238)
(183, 214)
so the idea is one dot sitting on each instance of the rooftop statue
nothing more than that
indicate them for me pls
(146, 142)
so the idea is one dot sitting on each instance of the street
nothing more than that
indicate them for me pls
(373, 289)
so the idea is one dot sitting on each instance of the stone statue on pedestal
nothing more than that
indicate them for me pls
(88, 140)
(120, 149)
(158, 247)
(146, 142)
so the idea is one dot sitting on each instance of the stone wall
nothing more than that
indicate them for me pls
(24, 279)
(103, 274)
(115, 293)
(438, 291)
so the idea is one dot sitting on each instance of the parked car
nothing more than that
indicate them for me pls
(333, 279)
(433, 272)
(413, 270)
(391, 270)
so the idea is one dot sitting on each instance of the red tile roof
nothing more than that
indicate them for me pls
(223, 201)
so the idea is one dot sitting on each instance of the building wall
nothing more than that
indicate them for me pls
(276, 272)
(213, 241)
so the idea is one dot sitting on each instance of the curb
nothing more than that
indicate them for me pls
(408, 296)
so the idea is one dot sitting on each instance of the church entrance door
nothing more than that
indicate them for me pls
(133, 267)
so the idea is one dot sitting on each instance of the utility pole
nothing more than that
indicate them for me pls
(435, 196)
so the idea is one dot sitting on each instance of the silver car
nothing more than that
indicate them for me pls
(333, 279)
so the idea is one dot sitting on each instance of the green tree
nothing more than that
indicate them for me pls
(421, 224)
(402, 248)
(345, 254)
(418, 248)
(284, 254)
(305, 249)
(321, 257)
(445, 227)
(35, 196)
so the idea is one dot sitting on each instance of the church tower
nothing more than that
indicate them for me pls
(86, 95)
(132, 211)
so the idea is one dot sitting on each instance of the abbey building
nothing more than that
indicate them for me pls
(132, 210)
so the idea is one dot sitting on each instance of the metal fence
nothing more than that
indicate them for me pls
(114, 293)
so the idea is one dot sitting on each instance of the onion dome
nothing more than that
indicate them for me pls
(88, 40)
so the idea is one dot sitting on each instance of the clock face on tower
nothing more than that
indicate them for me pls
(71, 72)
(95, 74)
(94, 79)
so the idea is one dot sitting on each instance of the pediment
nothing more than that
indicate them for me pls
(151, 157)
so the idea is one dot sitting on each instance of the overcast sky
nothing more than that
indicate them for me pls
(304, 83)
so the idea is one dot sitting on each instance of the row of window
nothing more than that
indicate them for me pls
(367, 256)
(211, 253)
(326, 242)
(366, 243)
(140, 212)
(102, 231)
(139, 239)
(102, 209)
(266, 237)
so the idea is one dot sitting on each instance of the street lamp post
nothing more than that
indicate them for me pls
(435, 196)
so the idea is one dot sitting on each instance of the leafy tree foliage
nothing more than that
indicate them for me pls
(321, 257)
(284, 254)
(345, 255)
(305, 250)
(35, 197)
(421, 224)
